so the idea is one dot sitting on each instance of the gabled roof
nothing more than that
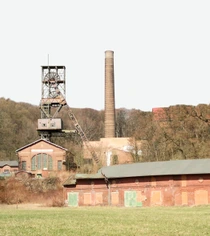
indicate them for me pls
(175, 167)
(9, 163)
(160, 168)
(39, 140)
(89, 176)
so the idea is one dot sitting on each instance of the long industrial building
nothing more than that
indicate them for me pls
(168, 183)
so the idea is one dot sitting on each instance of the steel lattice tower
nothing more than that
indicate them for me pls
(53, 98)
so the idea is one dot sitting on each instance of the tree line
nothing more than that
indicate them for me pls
(176, 132)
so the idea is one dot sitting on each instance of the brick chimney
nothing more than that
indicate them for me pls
(109, 95)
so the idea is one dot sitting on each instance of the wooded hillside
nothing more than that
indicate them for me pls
(180, 132)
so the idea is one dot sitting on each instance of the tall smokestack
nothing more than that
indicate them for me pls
(109, 95)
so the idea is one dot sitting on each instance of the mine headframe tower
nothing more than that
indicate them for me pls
(53, 98)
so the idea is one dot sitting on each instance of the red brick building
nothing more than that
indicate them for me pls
(8, 168)
(41, 158)
(169, 183)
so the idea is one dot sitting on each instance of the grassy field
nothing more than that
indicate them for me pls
(34, 221)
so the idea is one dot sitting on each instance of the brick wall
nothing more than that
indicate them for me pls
(143, 191)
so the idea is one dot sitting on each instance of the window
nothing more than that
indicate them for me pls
(6, 171)
(59, 165)
(50, 163)
(23, 165)
(45, 161)
(41, 161)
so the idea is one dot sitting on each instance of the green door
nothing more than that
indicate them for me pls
(73, 199)
(130, 199)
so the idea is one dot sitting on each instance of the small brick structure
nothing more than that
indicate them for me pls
(170, 183)
(41, 158)
(8, 168)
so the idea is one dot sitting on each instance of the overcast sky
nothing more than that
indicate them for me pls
(161, 50)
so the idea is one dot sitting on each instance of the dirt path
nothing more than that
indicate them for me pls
(29, 206)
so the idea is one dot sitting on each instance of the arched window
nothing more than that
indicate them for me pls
(41, 161)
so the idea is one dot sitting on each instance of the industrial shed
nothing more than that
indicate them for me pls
(8, 168)
(165, 183)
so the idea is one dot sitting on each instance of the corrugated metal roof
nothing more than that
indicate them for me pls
(9, 163)
(89, 176)
(39, 140)
(175, 167)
